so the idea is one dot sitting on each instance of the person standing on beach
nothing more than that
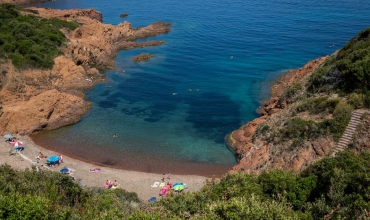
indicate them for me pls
(169, 175)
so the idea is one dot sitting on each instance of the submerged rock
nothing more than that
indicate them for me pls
(123, 15)
(143, 56)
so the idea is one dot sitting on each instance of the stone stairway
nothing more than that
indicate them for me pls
(351, 128)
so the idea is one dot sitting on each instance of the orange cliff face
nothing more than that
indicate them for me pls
(33, 99)
(256, 155)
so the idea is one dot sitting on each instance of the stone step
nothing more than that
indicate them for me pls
(358, 117)
(354, 122)
(352, 126)
(345, 139)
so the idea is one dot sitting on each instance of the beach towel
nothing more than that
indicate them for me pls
(96, 170)
(155, 184)
(114, 187)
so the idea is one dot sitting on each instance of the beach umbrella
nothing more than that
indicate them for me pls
(178, 188)
(17, 143)
(64, 170)
(53, 159)
(7, 136)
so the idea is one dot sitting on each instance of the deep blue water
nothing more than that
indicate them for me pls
(171, 113)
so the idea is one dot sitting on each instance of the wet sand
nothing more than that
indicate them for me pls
(133, 181)
(129, 160)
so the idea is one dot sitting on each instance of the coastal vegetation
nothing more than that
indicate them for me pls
(30, 41)
(333, 188)
(321, 105)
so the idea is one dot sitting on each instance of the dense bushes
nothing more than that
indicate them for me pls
(49, 195)
(334, 188)
(318, 105)
(30, 41)
(348, 70)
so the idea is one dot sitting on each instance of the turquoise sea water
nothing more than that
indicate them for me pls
(172, 113)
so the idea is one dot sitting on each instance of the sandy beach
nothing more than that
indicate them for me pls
(132, 181)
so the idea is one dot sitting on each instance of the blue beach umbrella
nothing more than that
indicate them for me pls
(64, 170)
(53, 159)
(7, 136)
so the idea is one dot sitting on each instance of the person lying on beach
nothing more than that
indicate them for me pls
(95, 170)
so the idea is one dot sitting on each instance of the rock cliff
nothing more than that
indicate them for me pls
(255, 154)
(36, 99)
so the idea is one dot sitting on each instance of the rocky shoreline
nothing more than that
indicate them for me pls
(36, 99)
(254, 155)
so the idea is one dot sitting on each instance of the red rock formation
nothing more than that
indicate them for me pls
(33, 100)
(255, 155)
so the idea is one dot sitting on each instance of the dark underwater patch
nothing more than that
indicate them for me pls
(213, 115)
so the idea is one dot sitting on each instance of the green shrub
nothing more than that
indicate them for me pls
(355, 100)
(287, 185)
(348, 70)
(30, 41)
(342, 186)
(343, 109)
(298, 128)
(291, 91)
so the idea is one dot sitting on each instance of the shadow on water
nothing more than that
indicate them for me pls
(213, 115)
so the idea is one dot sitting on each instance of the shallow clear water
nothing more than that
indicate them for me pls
(172, 113)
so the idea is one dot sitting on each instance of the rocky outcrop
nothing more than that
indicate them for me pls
(96, 44)
(275, 103)
(33, 100)
(143, 56)
(49, 110)
(255, 155)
